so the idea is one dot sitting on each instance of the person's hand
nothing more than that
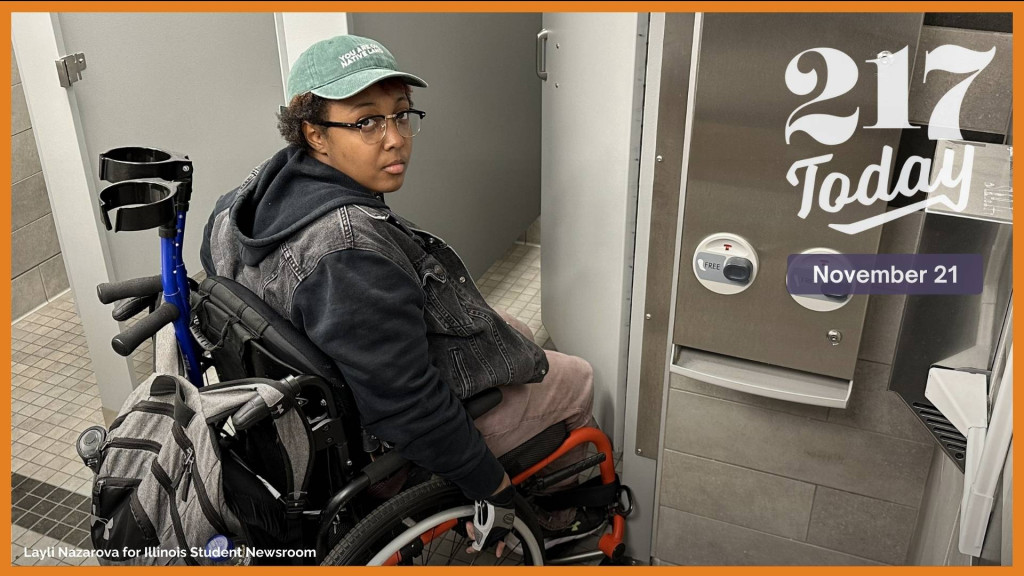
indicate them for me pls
(493, 519)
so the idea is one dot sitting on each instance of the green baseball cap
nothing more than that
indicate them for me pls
(344, 66)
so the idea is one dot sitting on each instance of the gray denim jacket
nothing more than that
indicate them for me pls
(366, 286)
(470, 343)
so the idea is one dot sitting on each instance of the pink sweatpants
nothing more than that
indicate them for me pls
(566, 393)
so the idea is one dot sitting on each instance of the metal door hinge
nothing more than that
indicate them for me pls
(69, 69)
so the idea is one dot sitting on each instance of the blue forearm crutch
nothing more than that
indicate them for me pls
(151, 189)
(175, 284)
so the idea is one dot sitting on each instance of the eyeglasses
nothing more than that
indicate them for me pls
(373, 128)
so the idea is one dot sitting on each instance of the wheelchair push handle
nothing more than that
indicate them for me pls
(109, 292)
(250, 413)
(256, 409)
(132, 306)
(126, 342)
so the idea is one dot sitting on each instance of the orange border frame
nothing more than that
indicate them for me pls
(554, 6)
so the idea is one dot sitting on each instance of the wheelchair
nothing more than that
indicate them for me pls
(364, 503)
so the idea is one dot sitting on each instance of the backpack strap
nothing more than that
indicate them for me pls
(163, 385)
(182, 413)
(296, 443)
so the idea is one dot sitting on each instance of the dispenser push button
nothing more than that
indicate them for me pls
(826, 301)
(738, 269)
(725, 263)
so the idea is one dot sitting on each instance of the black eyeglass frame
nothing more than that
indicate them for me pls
(359, 125)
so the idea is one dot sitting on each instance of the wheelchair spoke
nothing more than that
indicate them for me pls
(429, 552)
(456, 543)
(452, 549)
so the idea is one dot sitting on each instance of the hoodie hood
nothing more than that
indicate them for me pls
(286, 193)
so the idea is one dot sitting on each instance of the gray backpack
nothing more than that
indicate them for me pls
(159, 496)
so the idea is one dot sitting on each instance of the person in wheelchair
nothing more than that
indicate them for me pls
(310, 232)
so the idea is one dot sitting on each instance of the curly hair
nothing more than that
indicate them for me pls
(309, 107)
(306, 107)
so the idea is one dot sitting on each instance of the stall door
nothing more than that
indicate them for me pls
(205, 85)
(591, 101)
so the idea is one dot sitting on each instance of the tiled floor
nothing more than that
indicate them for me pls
(55, 397)
(513, 283)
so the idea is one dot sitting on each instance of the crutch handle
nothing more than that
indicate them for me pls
(126, 342)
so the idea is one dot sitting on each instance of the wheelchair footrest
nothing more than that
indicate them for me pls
(591, 493)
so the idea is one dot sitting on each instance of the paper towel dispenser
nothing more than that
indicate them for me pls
(961, 332)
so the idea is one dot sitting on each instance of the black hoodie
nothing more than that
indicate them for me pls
(357, 306)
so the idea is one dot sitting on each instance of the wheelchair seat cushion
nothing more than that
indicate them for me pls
(522, 457)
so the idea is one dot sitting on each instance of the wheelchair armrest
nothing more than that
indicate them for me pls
(481, 402)
(384, 466)
(476, 405)
(391, 462)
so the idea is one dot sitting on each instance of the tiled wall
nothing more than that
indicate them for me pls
(748, 480)
(37, 268)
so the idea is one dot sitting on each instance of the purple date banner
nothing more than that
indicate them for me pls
(837, 275)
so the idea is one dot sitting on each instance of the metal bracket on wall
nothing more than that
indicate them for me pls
(69, 68)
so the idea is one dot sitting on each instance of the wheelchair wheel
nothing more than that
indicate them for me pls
(426, 525)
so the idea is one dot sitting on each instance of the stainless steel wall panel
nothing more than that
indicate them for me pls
(675, 81)
(737, 181)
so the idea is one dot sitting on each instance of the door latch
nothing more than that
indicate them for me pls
(69, 69)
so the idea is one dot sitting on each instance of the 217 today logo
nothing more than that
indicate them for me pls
(893, 97)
